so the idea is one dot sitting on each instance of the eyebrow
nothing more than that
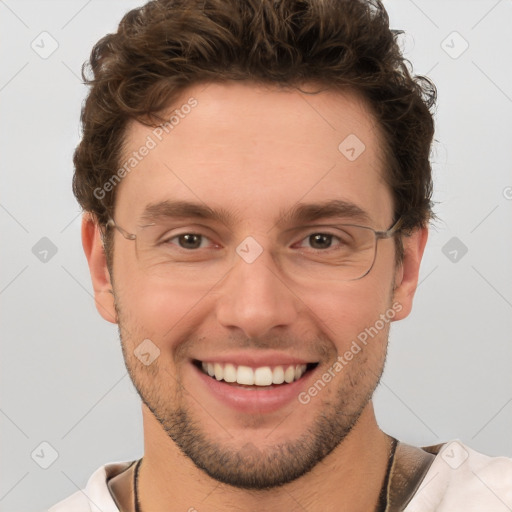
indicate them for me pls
(298, 214)
(184, 210)
(335, 208)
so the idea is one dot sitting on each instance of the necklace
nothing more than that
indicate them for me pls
(383, 495)
(136, 486)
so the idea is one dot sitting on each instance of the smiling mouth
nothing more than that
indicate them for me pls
(261, 377)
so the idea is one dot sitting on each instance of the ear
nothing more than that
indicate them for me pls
(406, 276)
(95, 254)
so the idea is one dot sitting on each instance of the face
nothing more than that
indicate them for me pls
(272, 300)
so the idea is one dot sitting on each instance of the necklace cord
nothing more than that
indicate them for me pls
(136, 486)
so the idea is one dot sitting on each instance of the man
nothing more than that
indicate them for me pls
(256, 187)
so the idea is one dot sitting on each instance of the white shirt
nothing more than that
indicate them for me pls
(458, 480)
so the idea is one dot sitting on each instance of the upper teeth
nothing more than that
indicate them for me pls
(262, 376)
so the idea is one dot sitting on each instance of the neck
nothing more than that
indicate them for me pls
(349, 479)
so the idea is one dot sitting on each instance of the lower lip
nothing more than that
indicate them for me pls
(252, 400)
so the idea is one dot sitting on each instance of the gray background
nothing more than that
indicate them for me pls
(63, 380)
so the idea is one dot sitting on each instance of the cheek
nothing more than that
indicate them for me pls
(350, 310)
(147, 300)
(149, 309)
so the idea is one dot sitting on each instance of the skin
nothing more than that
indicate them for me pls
(256, 150)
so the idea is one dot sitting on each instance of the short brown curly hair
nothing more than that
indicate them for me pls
(165, 46)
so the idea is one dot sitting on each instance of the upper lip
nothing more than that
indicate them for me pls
(255, 359)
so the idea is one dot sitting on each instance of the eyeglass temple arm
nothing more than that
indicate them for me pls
(111, 223)
(395, 228)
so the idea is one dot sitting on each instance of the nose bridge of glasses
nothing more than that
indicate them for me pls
(261, 264)
(254, 248)
(256, 267)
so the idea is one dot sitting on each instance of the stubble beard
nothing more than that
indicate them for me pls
(248, 466)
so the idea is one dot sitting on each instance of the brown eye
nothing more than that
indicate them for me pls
(190, 241)
(320, 240)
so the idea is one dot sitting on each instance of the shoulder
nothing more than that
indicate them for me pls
(462, 479)
(95, 497)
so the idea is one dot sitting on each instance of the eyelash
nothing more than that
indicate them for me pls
(168, 240)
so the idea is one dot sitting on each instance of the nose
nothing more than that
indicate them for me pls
(256, 297)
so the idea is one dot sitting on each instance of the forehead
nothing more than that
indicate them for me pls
(257, 150)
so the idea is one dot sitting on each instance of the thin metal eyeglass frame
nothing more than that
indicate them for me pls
(379, 235)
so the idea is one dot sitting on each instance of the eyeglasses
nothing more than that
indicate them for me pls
(179, 255)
